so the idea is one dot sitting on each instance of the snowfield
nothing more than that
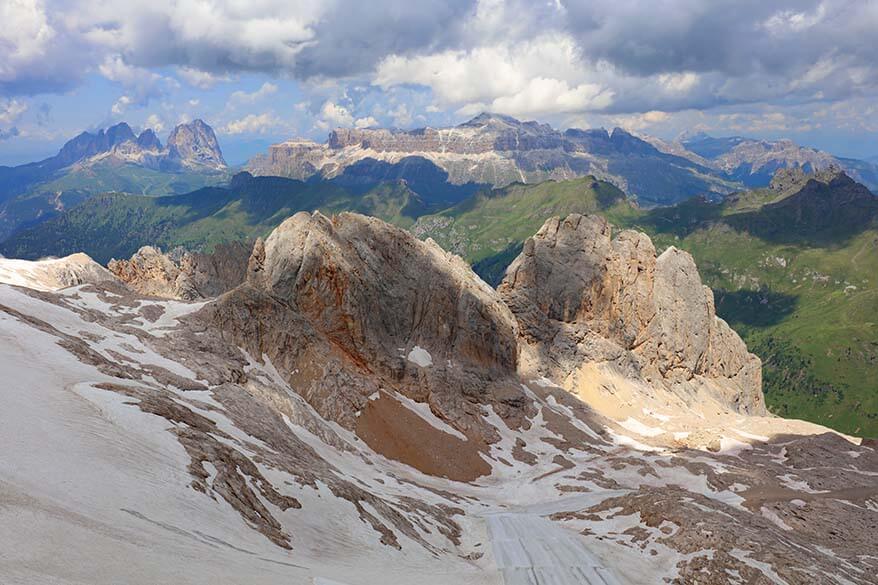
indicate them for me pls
(127, 460)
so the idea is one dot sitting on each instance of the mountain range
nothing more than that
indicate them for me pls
(498, 150)
(754, 162)
(341, 403)
(780, 258)
(115, 159)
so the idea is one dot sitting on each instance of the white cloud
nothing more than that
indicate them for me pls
(635, 122)
(242, 97)
(545, 75)
(11, 110)
(786, 21)
(678, 82)
(155, 122)
(200, 79)
(140, 84)
(335, 115)
(367, 122)
(121, 105)
(25, 35)
(253, 124)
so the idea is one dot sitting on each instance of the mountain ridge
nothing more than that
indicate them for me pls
(497, 150)
(591, 421)
(112, 159)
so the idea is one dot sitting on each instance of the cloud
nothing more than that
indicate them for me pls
(200, 79)
(336, 115)
(155, 122)
(35, 56)
(121, 105)
(367, 122)
(242, 97)
(11, 110)
(562, 58)
(253, 124)
(141, 84)
(7, 134)
(333, 115)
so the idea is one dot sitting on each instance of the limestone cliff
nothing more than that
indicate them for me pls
(581, 296)
(182, 274)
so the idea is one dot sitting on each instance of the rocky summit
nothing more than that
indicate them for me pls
(498, 150)
(495, 150)
(342, 403)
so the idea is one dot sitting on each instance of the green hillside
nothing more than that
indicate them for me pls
(115, 225)
(49, 198)
(488, 228)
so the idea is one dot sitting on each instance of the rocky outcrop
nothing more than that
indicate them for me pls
(54, 273)
(581, 296)
(754, 162)
(182, 274)
(194, 145)
(190, 146)
(351, 309)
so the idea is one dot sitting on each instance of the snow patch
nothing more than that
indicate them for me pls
(635, 426)
(420, 357)
(423, 411)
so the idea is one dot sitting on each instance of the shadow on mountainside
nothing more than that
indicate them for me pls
(754, 308)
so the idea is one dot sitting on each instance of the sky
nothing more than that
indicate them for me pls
(262, 71)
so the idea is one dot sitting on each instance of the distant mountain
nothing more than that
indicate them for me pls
(497, 150)
(115, 225)
(114, 159)
(754, 162)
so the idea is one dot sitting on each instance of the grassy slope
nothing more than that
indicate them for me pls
(493, 222)
(117, 224)
(48, 198)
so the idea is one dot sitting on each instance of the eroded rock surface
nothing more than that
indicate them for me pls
(582, 296)
(184, 275)
(350, 308)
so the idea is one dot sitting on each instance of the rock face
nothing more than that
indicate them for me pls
(351, 308)
(181, 274)
(190, 146)
(195, 145)
(54, 273)
(496, 150)
(362, 409)
(582, 296)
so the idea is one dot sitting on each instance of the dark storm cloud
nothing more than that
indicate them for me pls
(354, 36)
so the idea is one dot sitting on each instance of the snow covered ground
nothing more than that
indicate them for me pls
(99, 484)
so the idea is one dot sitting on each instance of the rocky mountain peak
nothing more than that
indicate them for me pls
(492, 119)
(195, 145)
(582, 296)
(180, 274)
(148, 140)
(88, 144)
(118, 134)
